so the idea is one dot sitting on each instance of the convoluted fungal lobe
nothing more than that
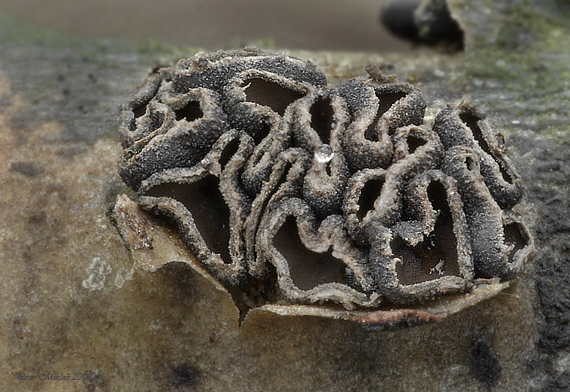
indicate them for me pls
(330, 196)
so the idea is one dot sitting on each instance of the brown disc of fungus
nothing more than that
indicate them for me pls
(339, 202)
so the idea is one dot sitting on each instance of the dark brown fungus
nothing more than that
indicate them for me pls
(285, 181)
(311, 259)
(485, 218)
(317, 123)
(365, 143)
(334, 197)
(322, 113)
(136, 108)
(266, 92)
(188, 139)
(430, 254)
(257, 100)
(208, 205)
(368, 197)
(214, 70)
(466, 126)
(377, 110)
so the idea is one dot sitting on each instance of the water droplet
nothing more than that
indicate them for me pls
(324, 153)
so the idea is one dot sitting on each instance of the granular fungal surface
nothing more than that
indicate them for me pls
(291, 192)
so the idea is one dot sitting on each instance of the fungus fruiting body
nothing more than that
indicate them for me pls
(333, 195)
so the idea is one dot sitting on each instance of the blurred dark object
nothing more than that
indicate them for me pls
(426, 22)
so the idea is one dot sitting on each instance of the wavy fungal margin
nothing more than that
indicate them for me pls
(294, 193)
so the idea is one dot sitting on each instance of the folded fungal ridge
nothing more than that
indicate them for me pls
(338, 195)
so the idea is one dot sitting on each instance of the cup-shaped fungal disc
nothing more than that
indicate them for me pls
(339, 202)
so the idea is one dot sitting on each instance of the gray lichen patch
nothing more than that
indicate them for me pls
(340, 196)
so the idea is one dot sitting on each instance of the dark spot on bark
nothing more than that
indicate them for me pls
(483, 362)
(185, 375)
(27, 169)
